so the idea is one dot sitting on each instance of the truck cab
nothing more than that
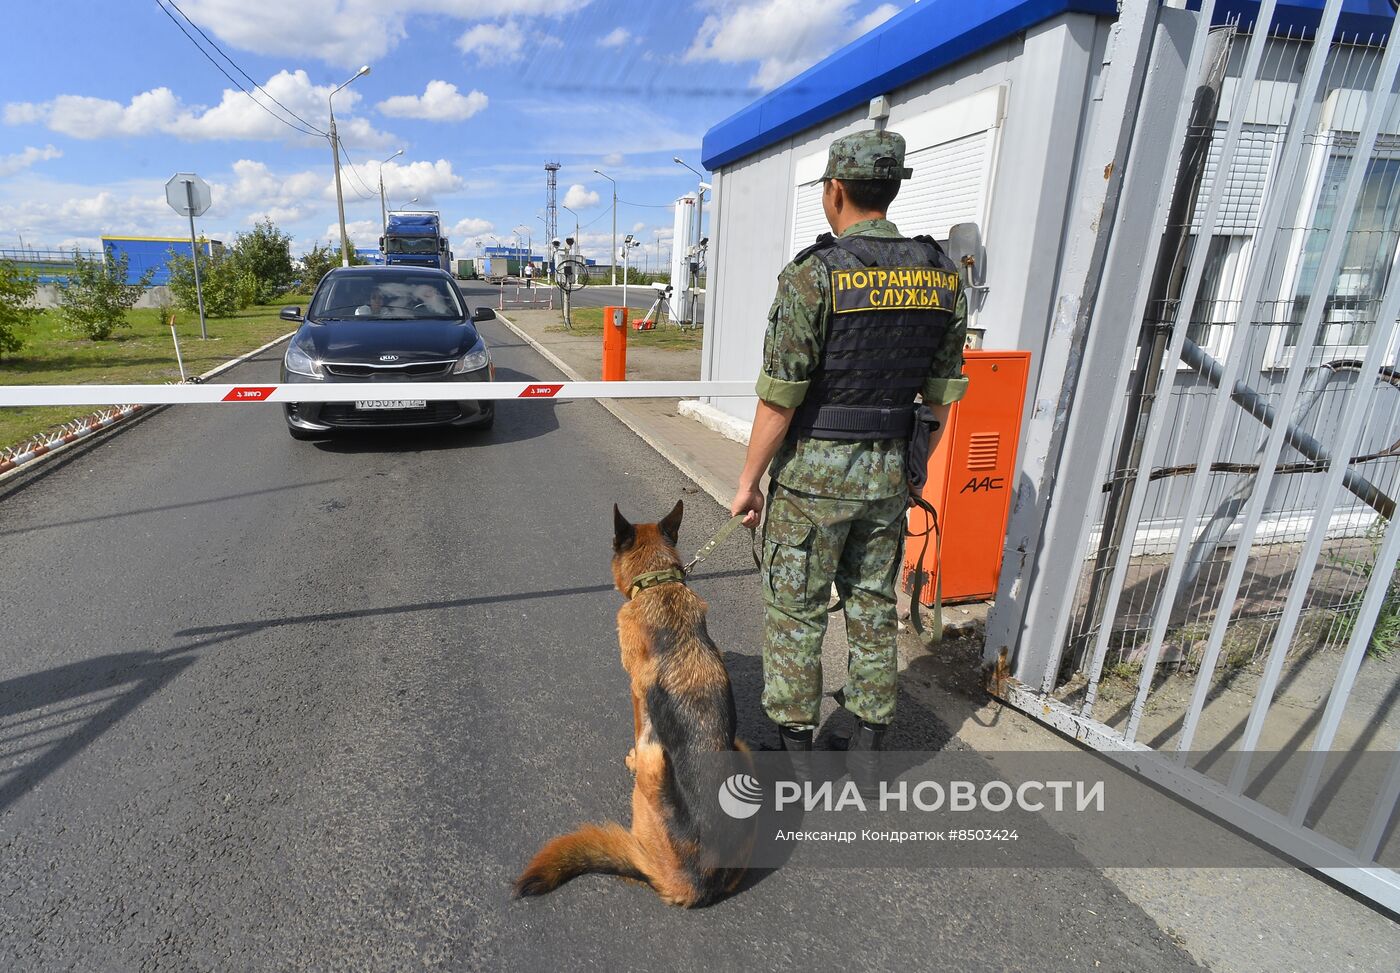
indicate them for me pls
(416, 239)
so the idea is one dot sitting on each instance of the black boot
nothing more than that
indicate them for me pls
(797, 742)
(793, 739)
(867, 736)
(864, 763)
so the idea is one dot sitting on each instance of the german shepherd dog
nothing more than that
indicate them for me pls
(682, 709)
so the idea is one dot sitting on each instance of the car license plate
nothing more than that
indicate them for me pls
(391, 403)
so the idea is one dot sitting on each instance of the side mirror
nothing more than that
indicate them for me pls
(290, 313)
(483, 314)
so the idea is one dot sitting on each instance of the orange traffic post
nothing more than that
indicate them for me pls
(614, 344)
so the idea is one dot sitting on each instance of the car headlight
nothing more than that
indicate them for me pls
(300, 363)
(472, 361)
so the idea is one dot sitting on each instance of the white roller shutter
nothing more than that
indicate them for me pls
(808, 219)
(1247, 180)
(949, 187)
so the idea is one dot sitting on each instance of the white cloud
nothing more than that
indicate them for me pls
(439, 102)
(11, 164)
(493, 43)
(874, 19)
(785, 37)
(614, 159)
(236, 116)
(619, 37)
(580, 196)
(423, 179)
(638, 227)
(344, 32)
(362, 233)
(470, 227)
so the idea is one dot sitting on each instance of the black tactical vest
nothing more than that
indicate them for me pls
(892, 300)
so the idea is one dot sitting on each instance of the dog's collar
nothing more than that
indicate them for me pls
(653, 578)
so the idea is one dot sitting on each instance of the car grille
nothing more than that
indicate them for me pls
(345, 414)
(391, 373)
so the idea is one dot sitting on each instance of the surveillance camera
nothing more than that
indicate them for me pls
(704, 240)
(569, 241)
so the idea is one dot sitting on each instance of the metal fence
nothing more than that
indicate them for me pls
(1233, 535)
(46, 266)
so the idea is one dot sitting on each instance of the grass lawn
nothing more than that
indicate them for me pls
(141, 354)
(589, 320)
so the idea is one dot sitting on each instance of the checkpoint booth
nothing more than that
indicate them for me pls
(992, 100)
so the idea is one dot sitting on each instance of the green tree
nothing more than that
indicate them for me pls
(315, 265)
(17, 308)
(265, 255)
(227, 286)
(93, 301)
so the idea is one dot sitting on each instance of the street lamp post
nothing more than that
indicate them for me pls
(383, 207)
(548, 244)
(335, 159)
(612, 259)
(567, 210)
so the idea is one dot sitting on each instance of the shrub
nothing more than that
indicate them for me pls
(265, 255)
(93, 301)
(316, 264)
(227, 287)
(17, 308)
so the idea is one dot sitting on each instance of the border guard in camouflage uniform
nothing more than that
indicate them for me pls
(863, 322)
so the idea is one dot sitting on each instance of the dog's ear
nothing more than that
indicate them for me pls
(670, 526)
(623, 532)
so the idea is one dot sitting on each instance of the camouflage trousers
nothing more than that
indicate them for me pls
(810, 542)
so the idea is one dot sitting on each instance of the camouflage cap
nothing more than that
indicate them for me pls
(867, 155)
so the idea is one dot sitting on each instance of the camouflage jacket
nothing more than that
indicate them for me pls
(792, 349)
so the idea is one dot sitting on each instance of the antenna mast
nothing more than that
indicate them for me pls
(551, 206)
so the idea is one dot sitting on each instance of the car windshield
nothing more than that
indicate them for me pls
(386, 297)
(410, 244)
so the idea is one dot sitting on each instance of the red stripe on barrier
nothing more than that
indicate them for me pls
(250, 393)
(540, 391)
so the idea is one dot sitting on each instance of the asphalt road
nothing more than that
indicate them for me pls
(268, 704)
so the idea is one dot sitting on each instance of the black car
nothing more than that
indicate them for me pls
(386, 324)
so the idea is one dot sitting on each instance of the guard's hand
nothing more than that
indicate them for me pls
(749, 503)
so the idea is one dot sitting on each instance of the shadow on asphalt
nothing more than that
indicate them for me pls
(166, 507)
(47, 718)
(258, 625)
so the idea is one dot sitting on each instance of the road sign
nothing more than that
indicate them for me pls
(187, 194)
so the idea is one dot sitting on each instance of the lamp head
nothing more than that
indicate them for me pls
(364, 69)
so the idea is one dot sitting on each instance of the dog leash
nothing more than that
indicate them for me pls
(677, 575)
(916, 579)
(719, 538)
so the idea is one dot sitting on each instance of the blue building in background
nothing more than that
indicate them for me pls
(145, 252)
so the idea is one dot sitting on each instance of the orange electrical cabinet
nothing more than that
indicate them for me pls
(971, 479)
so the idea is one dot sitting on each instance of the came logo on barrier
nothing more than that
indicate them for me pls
(250, 393)
(540, 391)
(740, 796)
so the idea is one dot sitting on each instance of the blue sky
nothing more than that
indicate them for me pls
(101, 102)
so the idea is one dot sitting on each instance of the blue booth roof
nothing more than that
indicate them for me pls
(934, 34)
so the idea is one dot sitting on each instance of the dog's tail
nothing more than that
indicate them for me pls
(603, 848)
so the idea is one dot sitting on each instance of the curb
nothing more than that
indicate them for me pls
(721, 493)
(106, 419)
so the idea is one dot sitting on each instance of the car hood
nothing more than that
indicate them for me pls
(366, 341)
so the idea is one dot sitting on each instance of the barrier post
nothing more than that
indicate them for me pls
(614, 344)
